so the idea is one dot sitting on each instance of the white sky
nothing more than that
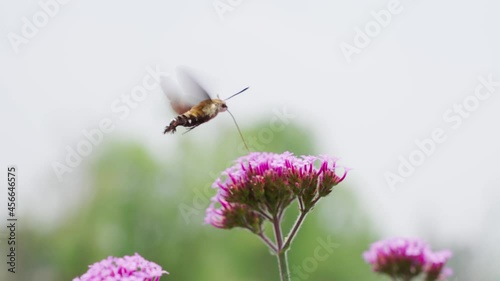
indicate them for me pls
(368, 112)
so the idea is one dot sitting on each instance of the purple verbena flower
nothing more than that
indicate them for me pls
(397, 257)
(435, 266)
(234, 215)
(406, 258)
(261, 185)
(128, 268)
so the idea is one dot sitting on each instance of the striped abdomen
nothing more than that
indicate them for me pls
(186, 120)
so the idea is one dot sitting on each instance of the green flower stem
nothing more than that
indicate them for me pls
(283, 264)
(294, 229)
(268, 242)
(280, 253)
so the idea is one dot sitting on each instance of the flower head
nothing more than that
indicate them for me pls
(129, 268)
(261, 185)
(234, 215)
(397, 257)
(435, 265)
(406, 258)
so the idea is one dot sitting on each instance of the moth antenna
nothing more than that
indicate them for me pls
(238, 93)
(238, 127)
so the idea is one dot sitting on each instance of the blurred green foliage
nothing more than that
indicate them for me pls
(154, 205)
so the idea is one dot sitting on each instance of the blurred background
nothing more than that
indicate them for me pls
(366, 81)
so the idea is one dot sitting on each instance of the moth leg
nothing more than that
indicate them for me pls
(188, 130)
(171, 127)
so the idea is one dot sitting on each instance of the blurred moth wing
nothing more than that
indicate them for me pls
(183, 99)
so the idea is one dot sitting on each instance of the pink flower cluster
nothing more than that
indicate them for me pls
(406, 258)
(261, 185)
(128, 268)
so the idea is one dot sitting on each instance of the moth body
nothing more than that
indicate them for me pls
(197, 115)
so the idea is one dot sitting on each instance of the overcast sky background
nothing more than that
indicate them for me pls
(368, 111)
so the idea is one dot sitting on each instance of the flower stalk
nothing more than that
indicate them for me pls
(280, 251)
(294, 229)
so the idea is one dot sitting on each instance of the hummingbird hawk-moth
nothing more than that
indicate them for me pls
(194, 105)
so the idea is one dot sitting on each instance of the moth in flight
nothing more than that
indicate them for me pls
(193, 103)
